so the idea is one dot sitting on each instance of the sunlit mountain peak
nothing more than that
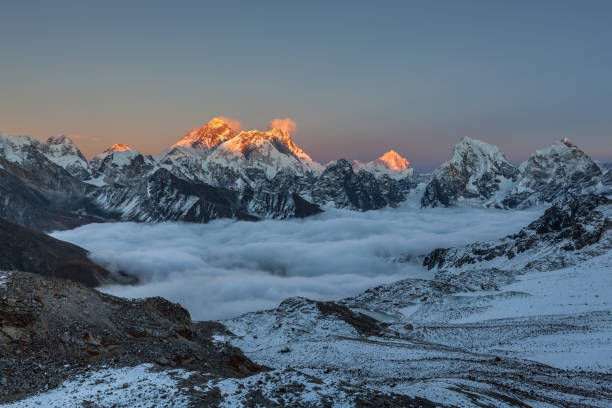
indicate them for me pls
(394, 161)
(217, 130)
(118, 147)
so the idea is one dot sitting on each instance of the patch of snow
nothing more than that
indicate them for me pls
(138, 387)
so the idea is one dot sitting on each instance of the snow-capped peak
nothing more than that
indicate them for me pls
(560, 159)
(477, 149)
(390, 164)
(111, 150)
(248, 141)
(478, 158)
(216, 131)
(271, 150)
(394, 161)
(117, 147)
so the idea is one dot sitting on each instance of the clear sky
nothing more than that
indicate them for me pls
(358, 78)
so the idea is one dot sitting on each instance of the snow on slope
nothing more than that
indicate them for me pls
(477, 173)
(138, 387)
(121, 164)
(13, 148)
(551, 173)
(61, 150)
(201, 140)
(272, 151)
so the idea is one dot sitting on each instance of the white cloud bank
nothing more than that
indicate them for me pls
(225, 268)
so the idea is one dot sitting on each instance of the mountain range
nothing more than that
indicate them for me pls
(215, 172)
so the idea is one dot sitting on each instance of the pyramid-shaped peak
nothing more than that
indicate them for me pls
(217, 130)
(118, 147)
(394, 161)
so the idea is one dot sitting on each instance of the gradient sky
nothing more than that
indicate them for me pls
(358, 78)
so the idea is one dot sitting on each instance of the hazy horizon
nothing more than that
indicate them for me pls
(358, 78)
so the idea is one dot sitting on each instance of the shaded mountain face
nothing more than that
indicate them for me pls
(585, 220)
(62, 151)
(341, 187)
(36, 192)
(161, 196)
(120, 164)
(24, 249)
(476, 172)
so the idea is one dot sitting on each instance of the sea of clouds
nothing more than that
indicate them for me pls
(225, 268)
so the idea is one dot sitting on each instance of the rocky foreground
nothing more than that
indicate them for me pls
(52, 330)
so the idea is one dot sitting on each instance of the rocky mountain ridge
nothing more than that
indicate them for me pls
(479, 175)
(562, 230)
(213, 171)
(268, 176)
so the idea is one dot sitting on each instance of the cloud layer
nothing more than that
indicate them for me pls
(225, 268)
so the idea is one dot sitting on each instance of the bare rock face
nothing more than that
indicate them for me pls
(52, 329)
(24, 249)
(564, 227)
(161, 196)
(36, 192)
(341, 187)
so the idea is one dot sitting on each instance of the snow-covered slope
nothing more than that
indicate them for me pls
(61, 150)
(550, 174)
(418, 347)
(478, 173)
(35, 192)
(120, 164)
(272, 151)
(554, 240)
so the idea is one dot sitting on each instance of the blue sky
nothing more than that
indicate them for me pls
(358, 78)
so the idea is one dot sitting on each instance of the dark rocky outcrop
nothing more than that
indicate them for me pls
(162, 196)
(340, 186)
(569, 226)
(41, 195)
(24, 249)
